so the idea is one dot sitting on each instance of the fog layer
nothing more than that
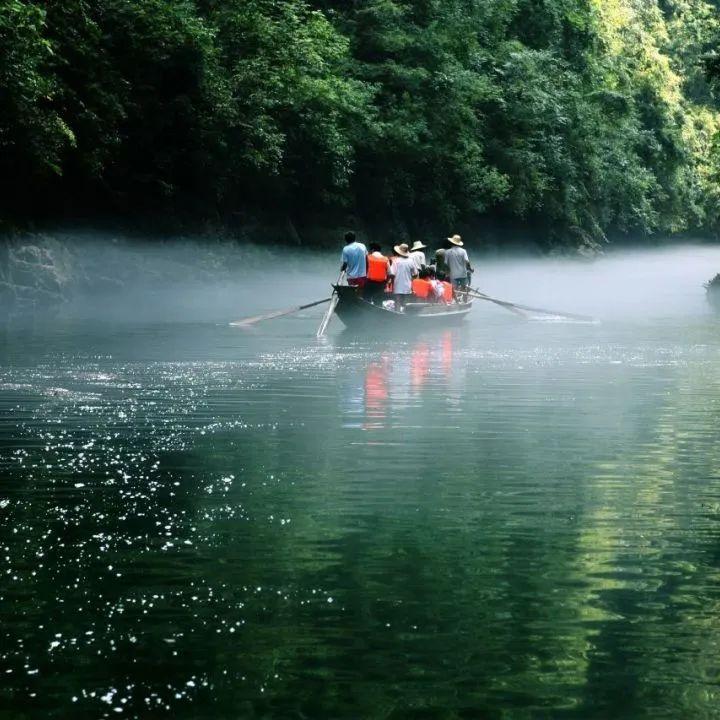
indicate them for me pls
(192, 281)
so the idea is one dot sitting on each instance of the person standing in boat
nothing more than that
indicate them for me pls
(418, 256)
(458, 263)
(354, 261)
(439, 259)
(403, 271)
(378, 272)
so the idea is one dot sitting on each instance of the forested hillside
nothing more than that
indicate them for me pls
(575, 118)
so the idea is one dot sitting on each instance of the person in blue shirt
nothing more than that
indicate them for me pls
(354, 260)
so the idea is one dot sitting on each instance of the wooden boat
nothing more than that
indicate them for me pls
(355, 312)
(712, 290)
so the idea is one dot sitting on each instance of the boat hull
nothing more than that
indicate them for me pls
(356, 313)
(713, 297)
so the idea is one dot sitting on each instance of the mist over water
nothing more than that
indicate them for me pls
(191, 281)
(634, 285)
(519, 517)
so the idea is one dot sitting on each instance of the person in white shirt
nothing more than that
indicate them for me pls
(403, 271)
(458, 263)
(417, 255)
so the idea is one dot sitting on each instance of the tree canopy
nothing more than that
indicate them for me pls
(577, 118)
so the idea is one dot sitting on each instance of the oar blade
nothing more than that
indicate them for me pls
(328, 316)
(528, 309)
(249, 322)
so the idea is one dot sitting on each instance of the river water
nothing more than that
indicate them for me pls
(508, 519)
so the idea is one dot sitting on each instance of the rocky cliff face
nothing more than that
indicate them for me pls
(40, 273)
(35, 273)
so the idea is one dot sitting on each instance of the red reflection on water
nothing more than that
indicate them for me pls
(446, 352)
(425, 359)
(376, 392)
(419, 365)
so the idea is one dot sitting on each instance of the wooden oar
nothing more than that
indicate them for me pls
(328, 315)
(331, 309)
(526, 308)
(501, 303)
(277, 313)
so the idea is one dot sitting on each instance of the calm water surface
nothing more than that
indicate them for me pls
(516, 520)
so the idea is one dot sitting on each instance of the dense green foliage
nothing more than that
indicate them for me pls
(576, 118)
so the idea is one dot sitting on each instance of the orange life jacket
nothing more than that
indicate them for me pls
(377, 268)
(421, 288)
(448, 292)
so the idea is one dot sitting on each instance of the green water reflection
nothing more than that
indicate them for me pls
(499, 521)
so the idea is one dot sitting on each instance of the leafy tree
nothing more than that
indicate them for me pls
(424, 154)
(141, 84)
(578, 119)
(297, 113)
(32, 134)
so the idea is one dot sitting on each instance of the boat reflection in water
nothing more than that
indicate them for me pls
(376, 392)
(393, 381)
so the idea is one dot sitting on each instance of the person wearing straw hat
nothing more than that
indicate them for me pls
(403, 271)
(417, 255)
(458, 263)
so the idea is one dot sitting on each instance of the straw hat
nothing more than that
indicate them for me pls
(417, 245)
(456, 240)
(402, 250)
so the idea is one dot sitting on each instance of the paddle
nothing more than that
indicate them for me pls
(277, 313)
(331, 309)
(570, 316)
(501, 303)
